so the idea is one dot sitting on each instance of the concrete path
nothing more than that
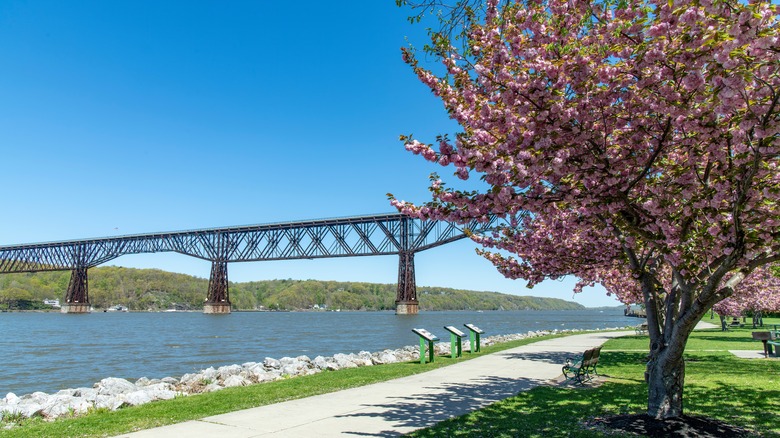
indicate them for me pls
(399, 406)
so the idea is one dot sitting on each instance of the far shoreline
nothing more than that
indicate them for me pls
(99, 310)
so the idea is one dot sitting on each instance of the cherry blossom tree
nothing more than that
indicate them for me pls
(631, 144)
(759, 292)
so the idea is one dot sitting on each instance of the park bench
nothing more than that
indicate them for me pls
(641, 329)
(580, 370)
(735, 323)
(773, 343)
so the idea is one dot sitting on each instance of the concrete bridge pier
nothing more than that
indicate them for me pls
(218, 300)
(77, 296)
(406, 298)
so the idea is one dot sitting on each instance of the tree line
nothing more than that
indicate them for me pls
(155, 290)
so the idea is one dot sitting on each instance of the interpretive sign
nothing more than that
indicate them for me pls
(456, 345)
(426, 334)
(426, 337)
(474, 333)
(473, 328)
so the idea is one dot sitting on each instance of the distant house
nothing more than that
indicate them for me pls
(53, 303)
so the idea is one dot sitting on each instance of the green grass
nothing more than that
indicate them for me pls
(717, 384)
(106, 423)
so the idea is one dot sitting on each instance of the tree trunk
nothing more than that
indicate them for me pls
(665, 377)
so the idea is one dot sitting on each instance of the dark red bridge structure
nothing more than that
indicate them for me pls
(385, 234)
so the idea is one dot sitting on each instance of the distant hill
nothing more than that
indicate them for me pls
(154, 289)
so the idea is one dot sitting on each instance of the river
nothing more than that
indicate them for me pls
(52, 351)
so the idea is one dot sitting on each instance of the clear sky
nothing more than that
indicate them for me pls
(122, 117)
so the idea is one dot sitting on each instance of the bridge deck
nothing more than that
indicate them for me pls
(383, 234)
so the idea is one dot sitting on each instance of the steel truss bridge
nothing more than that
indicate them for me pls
(385, 234)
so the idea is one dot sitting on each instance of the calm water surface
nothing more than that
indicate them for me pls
(52, 351)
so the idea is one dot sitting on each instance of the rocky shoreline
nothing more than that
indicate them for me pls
(114, 393)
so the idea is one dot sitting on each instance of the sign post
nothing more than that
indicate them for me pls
(425, 337)
(474, 333)
(456, 345)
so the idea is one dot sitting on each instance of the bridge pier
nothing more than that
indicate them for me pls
(406, 298)
(77, 296)
(218, 300)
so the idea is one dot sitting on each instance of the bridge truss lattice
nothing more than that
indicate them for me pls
(385, 234)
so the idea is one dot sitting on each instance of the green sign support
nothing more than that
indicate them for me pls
(474, 333)
(456, 345)
(425, 337)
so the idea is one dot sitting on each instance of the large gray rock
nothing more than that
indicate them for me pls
(139, 397)
(343, 361)
(64, 405)
(11, 399)
(114, 386)
(267, 376)
(30, 410)
(191, 378)
(162, 386)
(271, 363)
(287, 361)
(110, 402)
(407, 354)
(234, 381)
(229, 370)
(253, 372)
(320, 363)
(210, 374)
(87, 393)
(35, 397)
(28, 407)
(55, 410)
(290, 371)
(384, 357)
(363, 359)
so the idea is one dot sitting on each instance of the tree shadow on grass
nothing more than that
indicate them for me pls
(727, 339)
(565, 412)
(447, 401)
(722, 389)
(543, 411)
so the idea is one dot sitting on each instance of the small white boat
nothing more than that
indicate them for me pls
(117, 308)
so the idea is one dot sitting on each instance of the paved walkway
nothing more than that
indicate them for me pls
(399, 406)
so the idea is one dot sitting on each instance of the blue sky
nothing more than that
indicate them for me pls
(129, 117)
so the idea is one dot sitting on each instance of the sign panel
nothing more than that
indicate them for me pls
(454, 331)
(426, 334)
(473, 328)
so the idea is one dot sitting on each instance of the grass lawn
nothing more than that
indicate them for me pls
(741, 392)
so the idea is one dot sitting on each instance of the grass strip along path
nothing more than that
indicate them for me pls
(718, 385)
